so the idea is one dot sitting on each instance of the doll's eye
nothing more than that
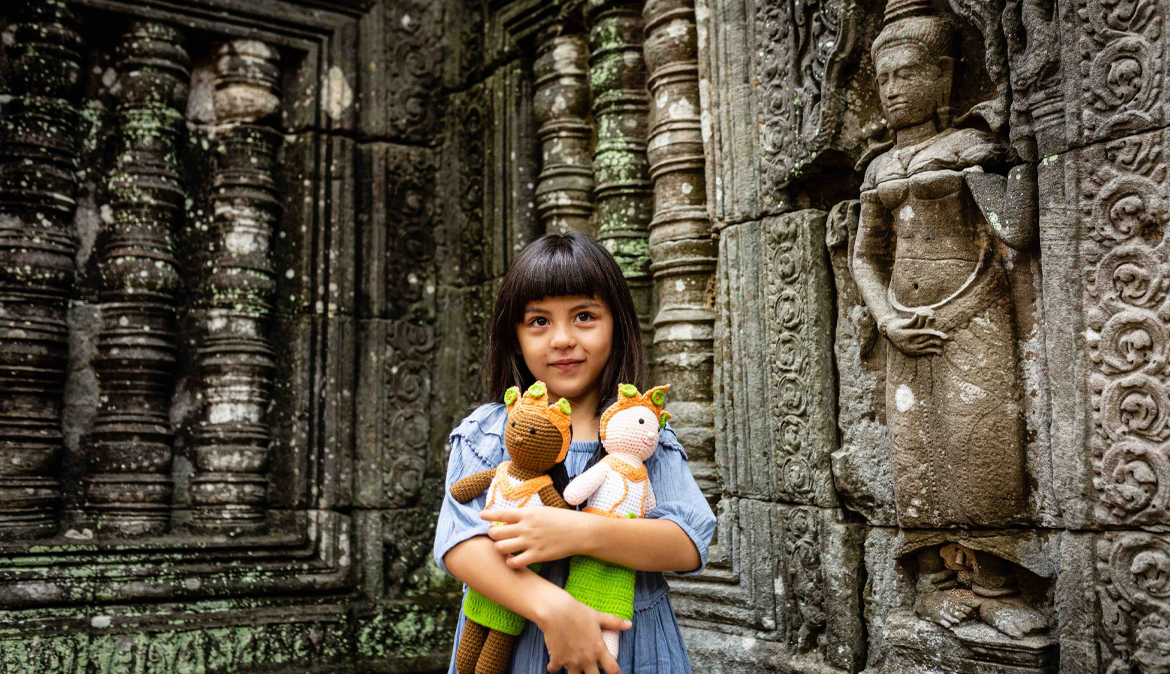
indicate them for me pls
(532, 431)
(641, 421)
(513, 424)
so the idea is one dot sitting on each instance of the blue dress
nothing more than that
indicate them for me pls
(654, 644)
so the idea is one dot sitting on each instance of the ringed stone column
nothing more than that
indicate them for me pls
(38, 155)
(128, 452)
(235, 360)
(564, 191)
(682, 253)
(621, 105)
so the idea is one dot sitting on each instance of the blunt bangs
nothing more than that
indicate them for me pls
(554, 270)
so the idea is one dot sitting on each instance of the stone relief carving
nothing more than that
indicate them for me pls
(1126, 286)
(1134, 570)
(956, 584)
(804, 51)
(928, 266)
(1122, 50)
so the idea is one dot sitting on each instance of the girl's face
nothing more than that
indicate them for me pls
(566, 342)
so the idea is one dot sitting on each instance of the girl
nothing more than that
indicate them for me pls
(565, 316)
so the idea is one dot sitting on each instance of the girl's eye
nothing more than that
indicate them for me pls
(584, 316)
(539, 321)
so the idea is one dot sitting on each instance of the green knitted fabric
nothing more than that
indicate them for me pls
(491, 615)
(607, 587)
(488, 613)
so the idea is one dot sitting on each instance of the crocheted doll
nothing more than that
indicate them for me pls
(536, 437)
(617, 486)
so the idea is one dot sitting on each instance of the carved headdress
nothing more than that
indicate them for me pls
(535, 401)
(913, 22)
(628, 397)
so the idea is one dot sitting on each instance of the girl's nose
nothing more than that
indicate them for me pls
(562, 338)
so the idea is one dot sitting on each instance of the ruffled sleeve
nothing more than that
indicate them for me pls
(477, 444)
(678, 497)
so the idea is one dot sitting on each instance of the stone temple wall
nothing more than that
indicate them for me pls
(903, 262)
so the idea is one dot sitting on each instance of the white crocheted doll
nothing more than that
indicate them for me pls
(617, 486)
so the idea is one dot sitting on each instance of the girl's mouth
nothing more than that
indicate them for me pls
(566, 365)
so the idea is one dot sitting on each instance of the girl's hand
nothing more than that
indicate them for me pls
(572, 633)
(531, 535)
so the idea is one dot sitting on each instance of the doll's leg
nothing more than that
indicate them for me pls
(470, 646)
(496, 653)
(611, 641)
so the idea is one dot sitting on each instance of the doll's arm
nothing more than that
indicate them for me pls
(550, 497)
(471, 486)
(583, 486)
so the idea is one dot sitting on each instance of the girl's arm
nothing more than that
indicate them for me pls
(673, 537)
(583, 486)
(572, 630)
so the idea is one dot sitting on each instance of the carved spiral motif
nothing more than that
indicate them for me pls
(1126, 207)
(1136, 478)
(1132, 275)
(1122, 54)
(1132, 340)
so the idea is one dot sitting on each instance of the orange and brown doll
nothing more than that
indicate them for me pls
(536, 437)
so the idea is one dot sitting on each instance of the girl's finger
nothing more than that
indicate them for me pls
(521, 560)
(509, 546)
(509, 515)
(608, 621)
(609, 665)
(591, 669)
(500, 532)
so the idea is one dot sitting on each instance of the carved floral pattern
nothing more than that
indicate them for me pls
(1134, 569)
(1124, 205)
(1122, 54)
(802, 48)
(795, 270)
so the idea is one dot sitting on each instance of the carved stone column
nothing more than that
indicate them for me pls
(38, 155)
(235, 359)
(564, 192)
(128, 452)
(682, 252)
(621, 105)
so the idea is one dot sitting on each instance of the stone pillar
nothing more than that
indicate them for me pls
(621, 105)
(128, 452)
(38, 155)
(682, 253)
(564, 192)
(235, 359)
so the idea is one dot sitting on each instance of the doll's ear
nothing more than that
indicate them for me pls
(662, 419)
(657, 395)
(511, 396)
(627, 390)
(563, 406)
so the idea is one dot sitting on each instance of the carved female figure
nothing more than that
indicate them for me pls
(927, 263)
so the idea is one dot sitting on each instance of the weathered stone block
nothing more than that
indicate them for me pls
(775, 365)
(786, 586)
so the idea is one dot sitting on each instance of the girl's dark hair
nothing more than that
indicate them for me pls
(558, 265)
